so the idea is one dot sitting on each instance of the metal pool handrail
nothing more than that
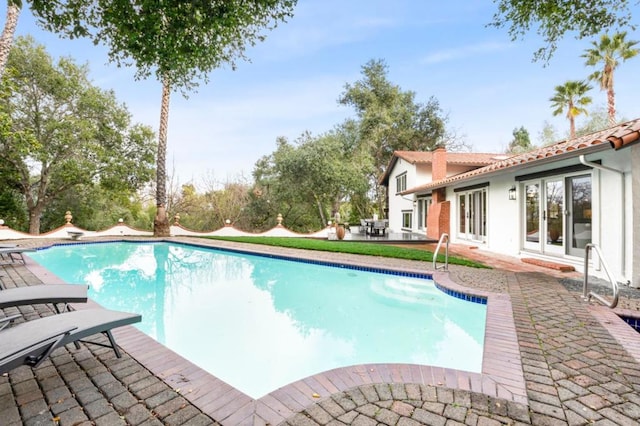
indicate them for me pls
(444, 267)
(586, 294)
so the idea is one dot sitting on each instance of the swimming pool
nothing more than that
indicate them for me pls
(259, 323)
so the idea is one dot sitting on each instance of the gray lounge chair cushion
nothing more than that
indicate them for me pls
(11, 250)
(82, 323)
(26, 349)
(45, 293)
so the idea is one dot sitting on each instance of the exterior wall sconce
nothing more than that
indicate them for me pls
(512, 193)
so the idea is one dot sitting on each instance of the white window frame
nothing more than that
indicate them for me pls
(401, 182)
(407, 217)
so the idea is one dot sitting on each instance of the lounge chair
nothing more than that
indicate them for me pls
(21, 349)
(9, 252)
(31, 342)
(44, 293)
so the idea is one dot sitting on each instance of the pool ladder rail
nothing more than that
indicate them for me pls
(586, 294)
(444, 267)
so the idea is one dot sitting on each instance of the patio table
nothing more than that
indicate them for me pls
(376, 225)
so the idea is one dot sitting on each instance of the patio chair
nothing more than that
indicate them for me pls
(31, 342)
(44, 293)
(364, 227)
(379, 227)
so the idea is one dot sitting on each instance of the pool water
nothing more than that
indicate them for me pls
(259, 323)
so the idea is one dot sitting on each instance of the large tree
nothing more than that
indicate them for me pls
(390, 119)
(59, 131)
(521, 141)
(309, 180)
(572, 98)
(607, 54)
(179, 42)
(553, 19)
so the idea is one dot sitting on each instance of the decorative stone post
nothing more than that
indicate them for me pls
(279, 219)
(68, 217)
(176, 219)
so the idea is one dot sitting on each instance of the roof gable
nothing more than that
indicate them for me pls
(453, 158)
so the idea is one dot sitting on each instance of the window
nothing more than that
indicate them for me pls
(401, 182)
(407, 217)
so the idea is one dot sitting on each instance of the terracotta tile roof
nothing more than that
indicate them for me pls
(616, 137)
(426, 157)
(461, 158)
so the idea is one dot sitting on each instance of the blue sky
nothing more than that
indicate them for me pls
(487, 84)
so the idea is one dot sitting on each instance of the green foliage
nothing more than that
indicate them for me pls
(179, 41)
(521, 141)
(597, 120)
(389, 119)
(607, 54)
(552, 19)
(548, 135)
(369, 249)
(59, 132)
(211, 210)
(12, 209)
(571, 97)
(308, 181)
(93, 207)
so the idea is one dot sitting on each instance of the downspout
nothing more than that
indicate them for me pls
(622, 209)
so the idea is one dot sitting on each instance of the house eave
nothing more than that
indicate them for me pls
(473, 177)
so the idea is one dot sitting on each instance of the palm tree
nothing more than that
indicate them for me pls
(6, 39)
(571, 96)
(608, 54)
(161, 227)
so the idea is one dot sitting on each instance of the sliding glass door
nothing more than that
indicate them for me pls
(557, 215)
(472, 215)
(579, 214)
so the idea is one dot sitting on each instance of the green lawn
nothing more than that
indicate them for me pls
(370, 249)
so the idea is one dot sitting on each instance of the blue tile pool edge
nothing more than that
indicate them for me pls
(633, 322)
(469, 297)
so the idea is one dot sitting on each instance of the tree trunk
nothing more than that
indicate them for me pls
(572, 128)
(6, 39)
(611, 107)
(321, 212)
(161, 226)
(34, 220)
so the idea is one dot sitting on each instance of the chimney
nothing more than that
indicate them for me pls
(439, 163)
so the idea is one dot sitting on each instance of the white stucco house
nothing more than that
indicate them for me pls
(546, 204)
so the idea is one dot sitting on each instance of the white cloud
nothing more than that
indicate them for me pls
(465, 52)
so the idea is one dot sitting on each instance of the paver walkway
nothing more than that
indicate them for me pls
(580, 365)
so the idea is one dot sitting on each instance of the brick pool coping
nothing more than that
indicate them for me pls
(501, 377)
